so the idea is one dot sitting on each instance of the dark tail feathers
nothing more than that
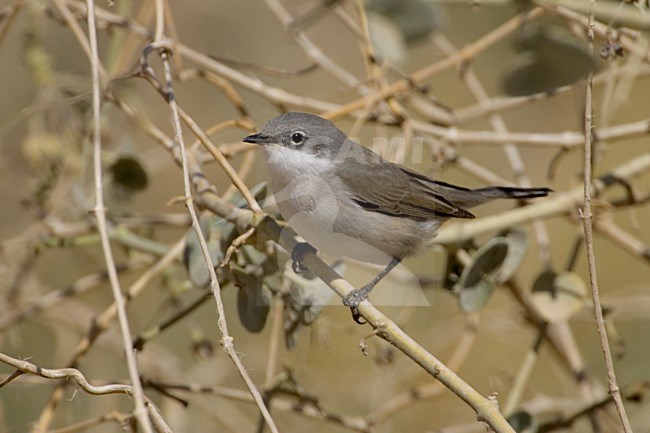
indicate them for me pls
(482, 195)
(512, 192)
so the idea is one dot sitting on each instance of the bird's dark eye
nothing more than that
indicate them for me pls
(297, 138)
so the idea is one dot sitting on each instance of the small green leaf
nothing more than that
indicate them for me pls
(517, 241)
(550, 58)
(253, 300)
(476, 282)
(416, 19)
(307, 298)
(193, 256)
(228, 234)
(386, 38)
(128, 173)
(523, 422)
(475, 297)
(259, 193)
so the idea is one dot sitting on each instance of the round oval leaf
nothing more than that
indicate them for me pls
(558, 297)
(253, 301)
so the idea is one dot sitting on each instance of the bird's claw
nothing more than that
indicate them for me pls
(297, 254)
(353, 299)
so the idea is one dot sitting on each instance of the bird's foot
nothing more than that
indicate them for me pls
(354, 298)
(297, 254)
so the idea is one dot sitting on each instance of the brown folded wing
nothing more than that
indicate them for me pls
(392, 190)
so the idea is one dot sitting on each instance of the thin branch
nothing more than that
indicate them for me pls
(511, 151)
(430, 390)
(556, 204)
(72, 373)
(634, 391)
(524, 373)
(103, 321)
(313, 52)
(486, 409)
(114, 416)
(500, 104)
(78, 33)
(566, 139)
(466, 54)
(80, 286)
(227, 339)
(586, 216)
(306, 406)
(140, 411)
(606, 227)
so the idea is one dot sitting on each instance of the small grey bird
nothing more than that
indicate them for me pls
(346, 200)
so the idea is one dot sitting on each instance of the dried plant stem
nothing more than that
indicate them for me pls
(277, 310)
(227, 339)
(307, 406)
(557, 204)
(606, 227)
(499, 104)
(487, 409)
(512, 152)
(140, 411)
(417, 77)
(78, 32)
(116, 417)
(587, 216)
(80, 379)
(104, 319)
(312, 50)
(44, 302)
(430, 390)
(524, 373)
(566, 140)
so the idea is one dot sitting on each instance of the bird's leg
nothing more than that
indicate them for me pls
(297, 254)
(355, 297)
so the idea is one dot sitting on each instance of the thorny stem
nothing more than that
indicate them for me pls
(100, 213)
(227, 339)
(591, 258)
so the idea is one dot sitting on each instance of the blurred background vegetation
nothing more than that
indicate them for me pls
(507, 109)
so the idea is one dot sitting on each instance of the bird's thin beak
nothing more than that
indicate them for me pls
(257, 139)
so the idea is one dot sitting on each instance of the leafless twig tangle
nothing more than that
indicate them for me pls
(144, 269)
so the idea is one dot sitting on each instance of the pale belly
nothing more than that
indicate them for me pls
(312, 210)
(320, 210)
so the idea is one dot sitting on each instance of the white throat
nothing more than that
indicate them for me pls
(286, 165)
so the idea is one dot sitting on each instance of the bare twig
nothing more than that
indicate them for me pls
(511, 151)
(140, 411)
(586, 216)
(486, 409)
(78, 32)
(566, 140)
(104, 319)
(557, 204)
(77, 288)
(430, 390)
(113, 416)
(227, 339)
(72, 373)
(466, 54)
(606, 226)
(313, 52)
